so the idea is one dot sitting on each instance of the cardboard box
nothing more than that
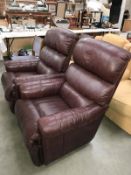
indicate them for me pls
(127, 25)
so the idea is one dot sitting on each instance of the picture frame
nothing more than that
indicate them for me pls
(61, 9)
(52, 8)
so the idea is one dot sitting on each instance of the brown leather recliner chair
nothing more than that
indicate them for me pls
(54, 59)
(59, 115)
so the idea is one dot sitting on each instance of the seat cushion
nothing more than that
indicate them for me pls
(121, 101)
(28, 113)
(49, 105)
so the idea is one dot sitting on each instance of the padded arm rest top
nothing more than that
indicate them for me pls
(60, 123)
(21, 80)
(21, 66)
(62, 132)
(40, 88)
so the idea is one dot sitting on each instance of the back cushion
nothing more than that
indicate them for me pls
(87, 85)
(53, 59)
(95, 74)
(73, 98)
(61, 40)
(101, 58)
(59, 45)
(43, 69)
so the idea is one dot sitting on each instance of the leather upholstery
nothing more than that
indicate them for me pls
(54, 58)
(21, 80)
(59, 115)
(67, 130)
(60, 41)
(90, 91)
(23, 66)
(94, 61)
(72, 97)
(44, 69)
(41, 88)
(47, 55)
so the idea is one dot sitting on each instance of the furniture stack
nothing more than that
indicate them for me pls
(59, 107)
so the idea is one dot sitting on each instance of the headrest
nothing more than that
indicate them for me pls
(60, 39)
(101, 58)
(89, 85)
(53, 59)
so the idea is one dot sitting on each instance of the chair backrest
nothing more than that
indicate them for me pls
(38, 43)
(114, 39)
(97, 69)
(55, 56)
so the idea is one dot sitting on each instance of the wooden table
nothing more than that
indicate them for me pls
(39, 16)
(10, 36)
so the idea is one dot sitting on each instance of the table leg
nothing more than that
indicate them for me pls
(8, 45)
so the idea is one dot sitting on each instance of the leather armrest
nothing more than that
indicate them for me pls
(61, 123)
(62, 132)
(40, 88)
(8, 84)
(21, 66)
(21, 80)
